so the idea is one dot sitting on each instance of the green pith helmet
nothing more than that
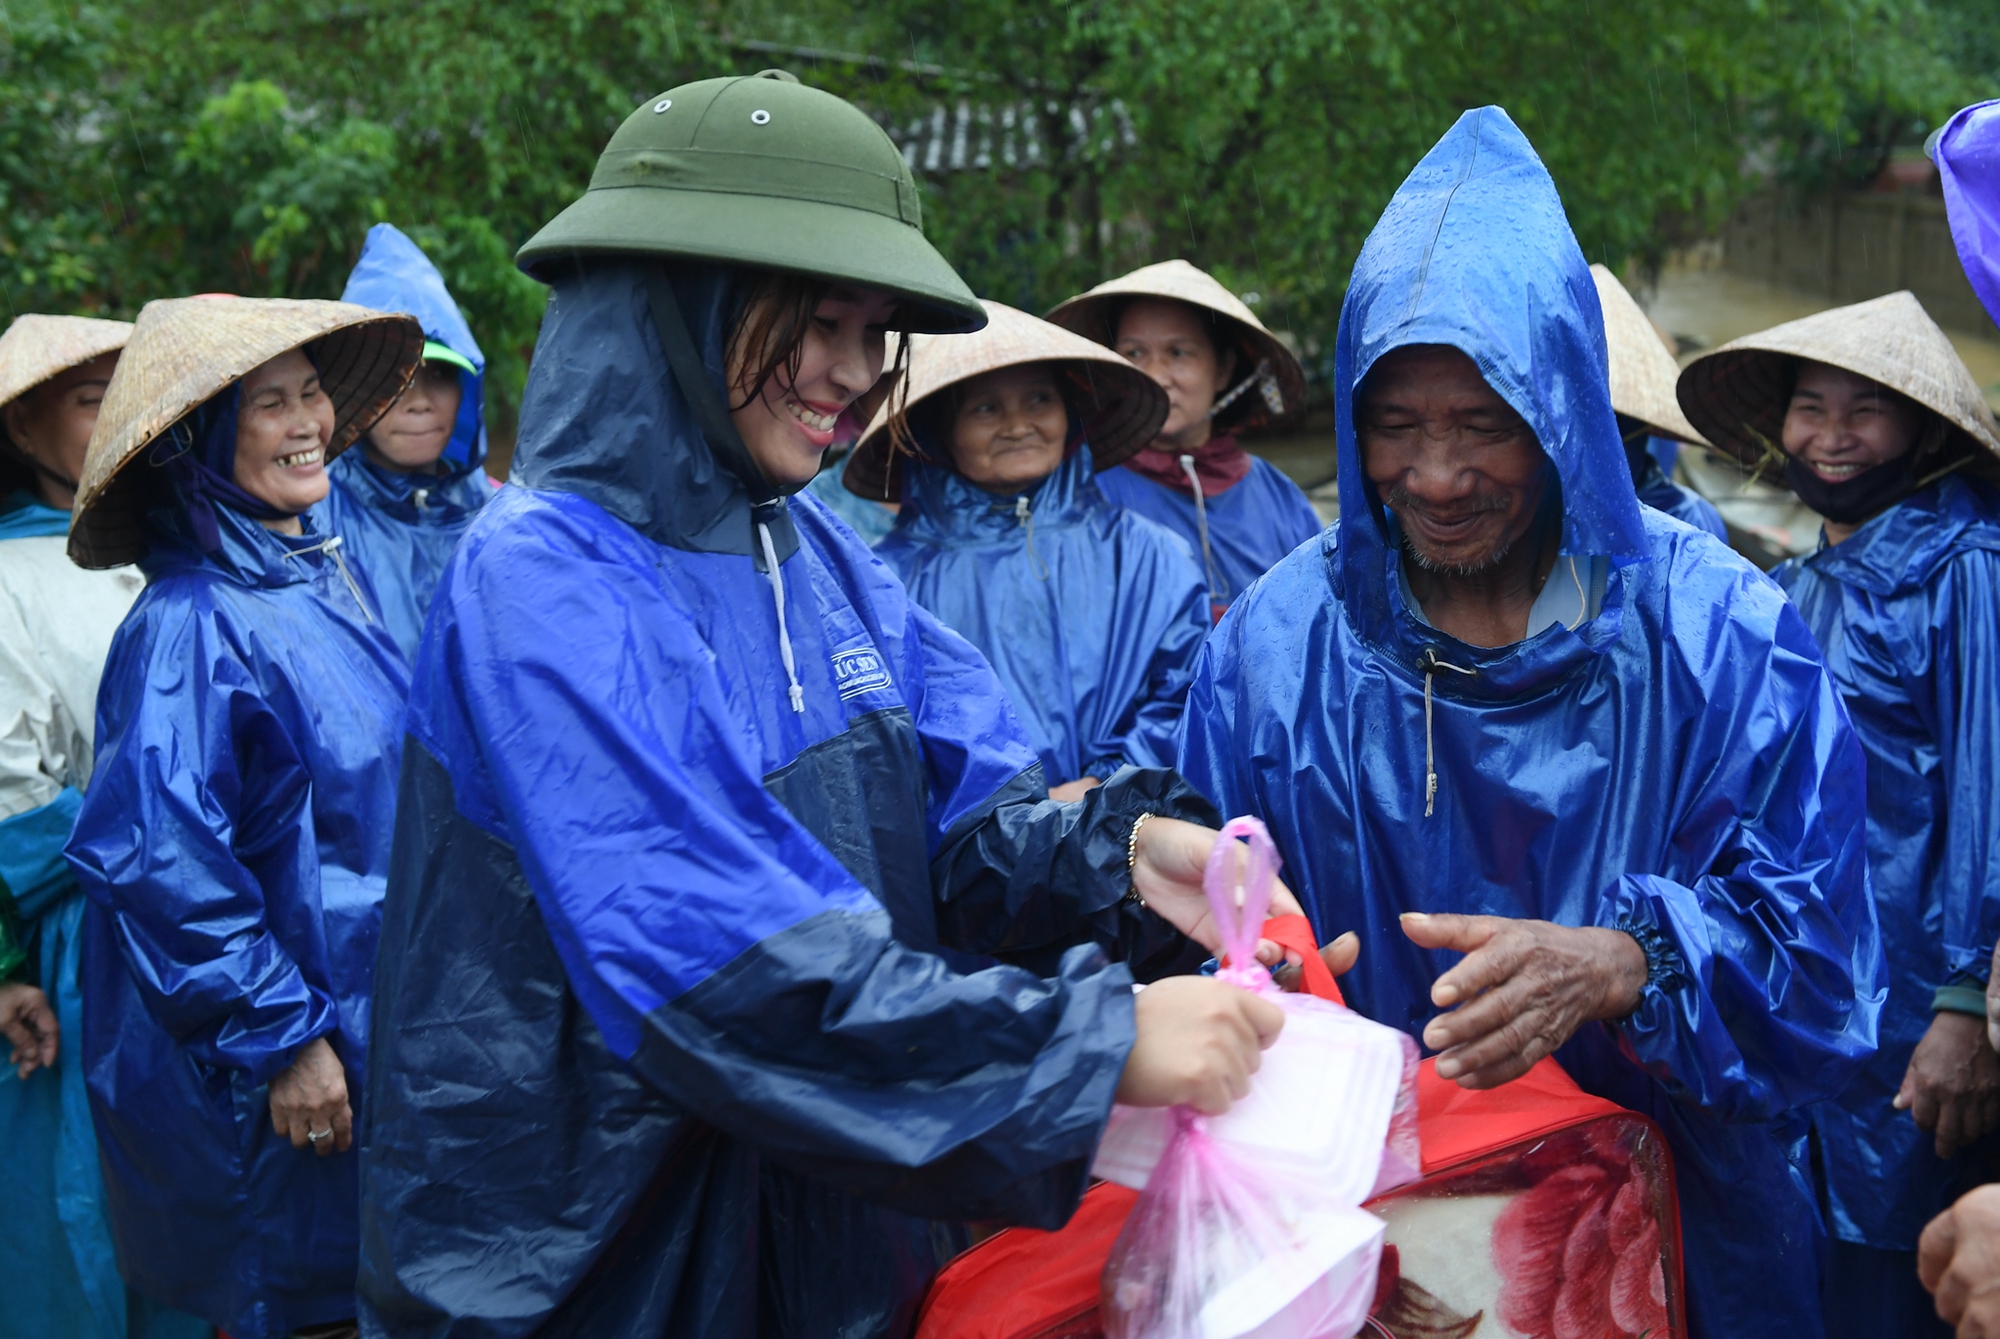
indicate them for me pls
(763, 171)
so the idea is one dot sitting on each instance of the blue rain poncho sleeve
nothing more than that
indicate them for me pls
(1964, 712)
(726, 953)
(202, 835)
(1753, 1008)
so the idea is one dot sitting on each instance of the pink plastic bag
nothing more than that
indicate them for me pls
(1249, 1224)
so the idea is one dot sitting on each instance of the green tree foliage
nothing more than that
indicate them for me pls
(156, 147)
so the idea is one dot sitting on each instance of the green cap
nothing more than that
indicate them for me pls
(435, 352)
(763, 171)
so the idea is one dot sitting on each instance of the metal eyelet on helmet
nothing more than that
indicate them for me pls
(663, 104)
(760, 117)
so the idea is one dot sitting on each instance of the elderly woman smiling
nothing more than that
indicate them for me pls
(234, 843)
(1090, 614)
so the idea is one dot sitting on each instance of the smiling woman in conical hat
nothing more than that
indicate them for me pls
(1224, 375)
(1643, 374)
(695, 794)
(56, 621)
(234, 843)
(1870, 415)
(1090, 614)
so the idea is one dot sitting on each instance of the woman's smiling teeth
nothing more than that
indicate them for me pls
(814, 422)
(310, 456)
(1826, 471)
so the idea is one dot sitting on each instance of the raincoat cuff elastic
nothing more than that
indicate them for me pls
(1670, 935)
(1959, 999)
(1970, 965)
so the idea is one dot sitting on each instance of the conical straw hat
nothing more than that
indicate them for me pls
(1278, 402)
(1737, 395)
(38, 347)
(1122, 407)
(1643, 373)
(183, 351)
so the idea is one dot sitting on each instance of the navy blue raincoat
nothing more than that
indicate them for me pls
(656, 1047)
(234, 846)
(1908, 609)
(1661, 493)
(1678, 766)
(1090, 614)
(401, 528)
(1251, 525)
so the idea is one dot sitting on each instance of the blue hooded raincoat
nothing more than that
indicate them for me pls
(1908, 609)
(1658, 491)
(1251, 525)
(401, 528)
(1678, 765)
(656, 1047)
(234, 846)
(1090, 614)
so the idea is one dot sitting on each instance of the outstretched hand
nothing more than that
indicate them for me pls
(1523, 990)
(30, 1024)
(1167, 870)
(1958, 1260)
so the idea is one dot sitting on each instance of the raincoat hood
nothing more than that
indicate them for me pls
(1476, 253)
(603, 418)
(394, 275)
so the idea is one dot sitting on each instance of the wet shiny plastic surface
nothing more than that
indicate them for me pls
(1092, 620)
(234, 845)
(1250, 525)
(1908, 610)
(402, 527)
(646, 947)
(1680, 765)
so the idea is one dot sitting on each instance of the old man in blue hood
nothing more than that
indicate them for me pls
(401, 501)
(1578, 776)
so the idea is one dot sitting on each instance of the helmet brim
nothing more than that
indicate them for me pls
(810, 237)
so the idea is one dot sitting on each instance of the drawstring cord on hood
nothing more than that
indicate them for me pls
(1025, 514)
(797, 694)
(330, 546)
(1218, 589)
(1430, 665)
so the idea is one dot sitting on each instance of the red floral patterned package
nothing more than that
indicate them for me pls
(1569, 1233)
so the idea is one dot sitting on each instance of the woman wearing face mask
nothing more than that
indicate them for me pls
(1867, 412)
(691, 788)
(402, 499)
(235, 838)
(1224, 374)
(1090, 614)
(55, 622)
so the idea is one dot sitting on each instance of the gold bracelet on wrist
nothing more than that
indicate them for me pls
(1132, 861)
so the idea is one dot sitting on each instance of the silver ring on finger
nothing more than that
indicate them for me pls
(316, 1135)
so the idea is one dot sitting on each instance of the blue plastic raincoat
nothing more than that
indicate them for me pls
(1661, 493)
(234, 845)
(401, 528)
(1251, 525)
(56, 620)
(1678, 766)
(1090, 614)
(1908, 609)
(653, 1053)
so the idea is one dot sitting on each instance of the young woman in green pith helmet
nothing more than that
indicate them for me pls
(693, 792)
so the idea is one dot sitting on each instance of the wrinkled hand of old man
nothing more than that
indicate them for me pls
(1523, 989)
(1958, 1259)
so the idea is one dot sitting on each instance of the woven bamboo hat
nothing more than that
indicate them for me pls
(1643, 373)
(1737, 394)
(1122, 408)
(1275, 399)
(36, 348)
(184, 351)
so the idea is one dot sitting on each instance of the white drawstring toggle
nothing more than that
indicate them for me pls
(797, 694)
(330, 546)
(1218, 589)
(1431, 665)
(1026, 516)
